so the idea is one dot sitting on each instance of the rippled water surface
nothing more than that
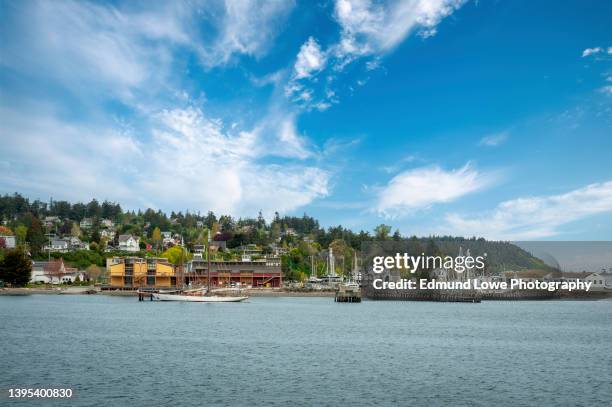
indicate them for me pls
(307, 351)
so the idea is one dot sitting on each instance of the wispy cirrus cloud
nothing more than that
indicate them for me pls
(534, 217)
(494, 140)
(368, 30)
(420, 188)
(163, 147)
(243, 27)
(187, 157)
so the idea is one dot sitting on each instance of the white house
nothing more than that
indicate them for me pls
(129, 243)
(108, 234)
(7, 241)
(86, 223)
(107, 223)
(54, 272)
(51, 221)
(62, 245)
(76, 244)
(167, 239)
(57, 245)
(601, 281)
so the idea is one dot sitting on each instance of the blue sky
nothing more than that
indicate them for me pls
(479, 118)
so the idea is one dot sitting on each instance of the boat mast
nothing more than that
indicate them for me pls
(208, 259)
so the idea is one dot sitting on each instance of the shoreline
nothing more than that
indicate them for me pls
(87, 290)
(275, 292)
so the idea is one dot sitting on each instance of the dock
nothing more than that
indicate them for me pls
(347, 294)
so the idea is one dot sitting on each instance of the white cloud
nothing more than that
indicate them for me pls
(420, 188)
(591, 51)
(309, 60)
(535, 217)
(494, 140)
(606, 89)
(222, 171)
(128, 51)
(291, 143)
(368, 29)
(246, 27)
(187, 158)
(373, 28)
(87, 47)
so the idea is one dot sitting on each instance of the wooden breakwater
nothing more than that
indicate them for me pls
(478, 295)
(472, 296)
(520, 295)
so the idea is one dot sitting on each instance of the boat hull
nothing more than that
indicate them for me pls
(196, 298)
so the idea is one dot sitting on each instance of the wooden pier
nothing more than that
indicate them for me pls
(348, 294)
(142, 295)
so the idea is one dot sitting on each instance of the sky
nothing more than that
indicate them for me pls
(469, 118)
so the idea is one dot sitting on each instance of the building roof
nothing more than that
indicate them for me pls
(125, 238)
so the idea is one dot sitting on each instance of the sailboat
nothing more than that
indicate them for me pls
(198, 294)
(183, 296)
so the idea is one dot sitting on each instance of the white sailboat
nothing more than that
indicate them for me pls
(196, 298)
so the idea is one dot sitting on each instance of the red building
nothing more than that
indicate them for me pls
(256, 274)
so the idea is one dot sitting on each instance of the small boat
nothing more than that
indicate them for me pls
(196, 298)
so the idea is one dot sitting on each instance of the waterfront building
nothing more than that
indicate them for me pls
(54, 272)
(256, 274)
(136, 272)
(600, 281)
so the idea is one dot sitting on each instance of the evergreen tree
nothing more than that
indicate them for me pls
(35, 236)
(15, 268)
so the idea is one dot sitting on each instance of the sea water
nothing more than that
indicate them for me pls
(117, 351)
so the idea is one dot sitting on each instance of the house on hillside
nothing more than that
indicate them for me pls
(86, 223)
(65, 244)
(57, 245)
(51, 221)
(277, 250)
(129, 243)
(7, 241)
(74, 243)
(107, 234)
(107, 223)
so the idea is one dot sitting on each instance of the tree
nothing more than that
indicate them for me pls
(157, 238)
(21, 232)
(176, 255)
(65, 228)
(75, 230)
(94, 273)
(35, 236)
(4, 231)
(95, 236)
(15, 268)
(382, 231)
